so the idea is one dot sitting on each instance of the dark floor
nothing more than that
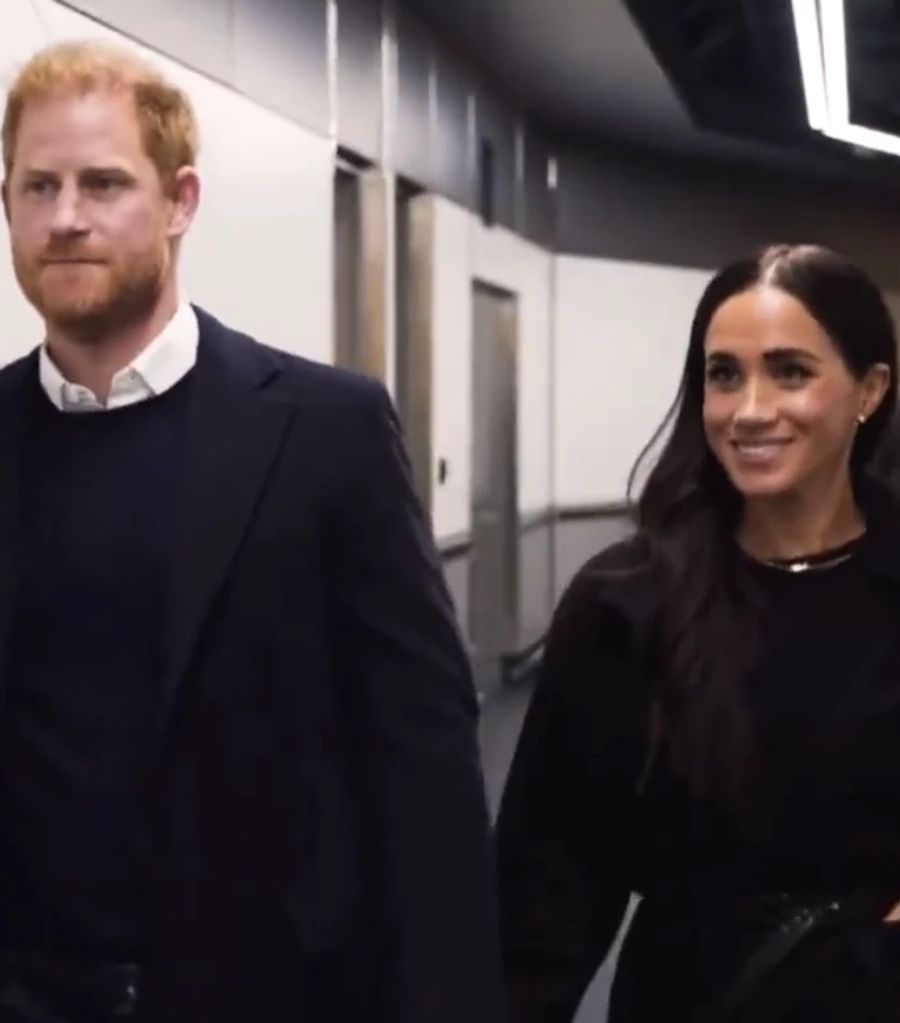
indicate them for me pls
(502, 715)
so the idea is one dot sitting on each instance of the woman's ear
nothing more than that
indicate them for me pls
(874, 387)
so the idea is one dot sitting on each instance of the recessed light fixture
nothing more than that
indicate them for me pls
(821, 27)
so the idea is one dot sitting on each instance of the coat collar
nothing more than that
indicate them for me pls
(236, 424)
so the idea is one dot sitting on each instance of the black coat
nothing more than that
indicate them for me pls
(594, 810)
(320, 842)
(563, 840)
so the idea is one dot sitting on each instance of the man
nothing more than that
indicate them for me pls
(238, 767)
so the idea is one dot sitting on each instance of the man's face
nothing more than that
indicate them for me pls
(90, 224)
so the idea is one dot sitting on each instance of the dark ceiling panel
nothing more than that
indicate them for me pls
(359, 113)
(454, 154)
(496, 149)
(195, 32)
(734, 64)
(538, 220)
(873, 44)
(617, 206)
(413, 156)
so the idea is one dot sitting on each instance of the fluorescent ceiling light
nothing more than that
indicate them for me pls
(821, 27)
(834, 49)
(865, 138)
(812, 64)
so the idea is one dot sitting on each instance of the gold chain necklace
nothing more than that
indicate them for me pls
(808, 566)
(812, 564)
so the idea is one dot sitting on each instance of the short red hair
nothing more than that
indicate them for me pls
(166, 118)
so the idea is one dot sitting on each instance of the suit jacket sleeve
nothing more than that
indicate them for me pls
(428, 807)
(565, 820)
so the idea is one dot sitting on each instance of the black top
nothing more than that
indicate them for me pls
(821, 805)
(80, 689)
(822, 798)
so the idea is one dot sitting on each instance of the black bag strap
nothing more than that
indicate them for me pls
(762, 962)
(864, 910)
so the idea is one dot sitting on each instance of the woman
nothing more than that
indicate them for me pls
(717, 722)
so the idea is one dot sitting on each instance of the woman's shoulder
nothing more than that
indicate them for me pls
(612, 598)
(599, 653)
(620, 575)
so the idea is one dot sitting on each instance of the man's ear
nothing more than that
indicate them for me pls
(185, 201)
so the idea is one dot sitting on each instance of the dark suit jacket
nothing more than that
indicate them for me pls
(319, 828)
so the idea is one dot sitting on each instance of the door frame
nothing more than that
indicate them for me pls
(509, 589)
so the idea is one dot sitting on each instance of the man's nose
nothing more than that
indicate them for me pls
(68, 213)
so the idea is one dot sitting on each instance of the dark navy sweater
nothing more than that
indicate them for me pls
(81, 686)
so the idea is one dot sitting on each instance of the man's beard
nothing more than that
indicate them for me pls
(91, 300)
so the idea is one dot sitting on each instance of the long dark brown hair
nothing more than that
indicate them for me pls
(688, 512)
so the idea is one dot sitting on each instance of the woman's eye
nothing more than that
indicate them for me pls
(793, 373)
(722, 375)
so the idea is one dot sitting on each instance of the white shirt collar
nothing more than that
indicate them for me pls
(167, 359)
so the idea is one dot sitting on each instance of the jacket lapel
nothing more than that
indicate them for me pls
(234, 431)
(16, 385)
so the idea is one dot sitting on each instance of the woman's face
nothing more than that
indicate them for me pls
(781, 408)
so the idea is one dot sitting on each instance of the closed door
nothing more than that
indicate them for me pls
(493, 597)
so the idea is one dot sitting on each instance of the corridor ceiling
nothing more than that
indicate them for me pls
(712, 80)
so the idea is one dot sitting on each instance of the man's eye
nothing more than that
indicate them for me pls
(104, 184)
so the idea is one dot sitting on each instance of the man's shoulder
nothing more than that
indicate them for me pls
(16, 373)
(300, 375)
(293, 376)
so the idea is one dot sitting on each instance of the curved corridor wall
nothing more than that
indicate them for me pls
(640, 236)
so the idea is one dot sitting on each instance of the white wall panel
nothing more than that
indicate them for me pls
(259, 255)
(535, 379)
(451, 407)
(197, 32)
(621, 337)
(465, 251)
